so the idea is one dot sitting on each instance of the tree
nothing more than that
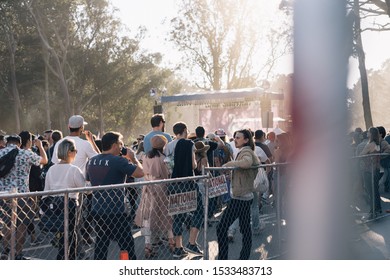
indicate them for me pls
(59, 22)
(222, 40)
(69, 59)
(370, 14)
(8, 30)
(379, 97)
(362, 65)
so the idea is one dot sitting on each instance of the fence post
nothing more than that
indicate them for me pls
(373, 187)
(278, 207)
(205, 224)
(66, 226)
(14, 217)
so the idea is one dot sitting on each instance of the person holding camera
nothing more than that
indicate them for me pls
(18, 177)
(86, 149)
(109, 206)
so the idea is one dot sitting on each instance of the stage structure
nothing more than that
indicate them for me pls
(230, 110)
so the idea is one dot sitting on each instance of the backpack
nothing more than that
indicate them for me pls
(7, 162)
(198, 169)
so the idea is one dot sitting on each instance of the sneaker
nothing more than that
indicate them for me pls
(194, 249)
(179, 253)
(20, 257)
(3, 256)
(213, 219)
(135, 228)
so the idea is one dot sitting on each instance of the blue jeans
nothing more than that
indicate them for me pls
(240, 209)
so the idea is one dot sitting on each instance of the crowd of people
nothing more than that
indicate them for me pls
(77, 160)
(370, 172)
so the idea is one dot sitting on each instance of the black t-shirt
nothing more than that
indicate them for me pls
(183, 159)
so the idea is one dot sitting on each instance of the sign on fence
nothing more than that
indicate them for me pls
(182, 203)
(217, 186)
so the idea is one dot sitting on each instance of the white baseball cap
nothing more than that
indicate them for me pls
(76, 121)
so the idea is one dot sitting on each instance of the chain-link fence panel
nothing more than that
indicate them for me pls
(367, 177)
(183, 218)
(97, 226)
(248, 227)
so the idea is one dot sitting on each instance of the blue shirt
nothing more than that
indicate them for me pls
(148, 145)
(107, 169)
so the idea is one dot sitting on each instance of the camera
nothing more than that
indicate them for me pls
(124, 151)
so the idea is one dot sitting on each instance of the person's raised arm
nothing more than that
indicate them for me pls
(139, 171)
(89, 137)
(42, 152)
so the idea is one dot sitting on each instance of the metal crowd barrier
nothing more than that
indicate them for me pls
(269, 244)
(374, 186)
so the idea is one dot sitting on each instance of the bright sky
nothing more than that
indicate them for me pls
(376, 46)
(155, 16)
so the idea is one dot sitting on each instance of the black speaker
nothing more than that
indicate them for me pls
(157, 109)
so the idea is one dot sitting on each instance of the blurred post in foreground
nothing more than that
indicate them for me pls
(317, 201)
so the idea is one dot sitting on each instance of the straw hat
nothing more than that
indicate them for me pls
(201, 147)
(158, 141)
(192, 136)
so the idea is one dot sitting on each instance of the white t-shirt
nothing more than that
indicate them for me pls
(271, 146)
(64, 176)
(84, 149)
(170, 148)
(260, 154)
(234, 149)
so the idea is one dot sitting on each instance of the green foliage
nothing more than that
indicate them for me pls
(379, 98)
(224, 41)
(108, 77)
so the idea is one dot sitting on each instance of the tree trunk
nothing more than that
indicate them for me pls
(58, 71)
(362, 69)
(15, 92)
(47, 99)
(101, 115)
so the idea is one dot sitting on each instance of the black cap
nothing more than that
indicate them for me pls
(14, 138)
(259, 133)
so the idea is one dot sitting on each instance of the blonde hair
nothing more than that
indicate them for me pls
(64, 147)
